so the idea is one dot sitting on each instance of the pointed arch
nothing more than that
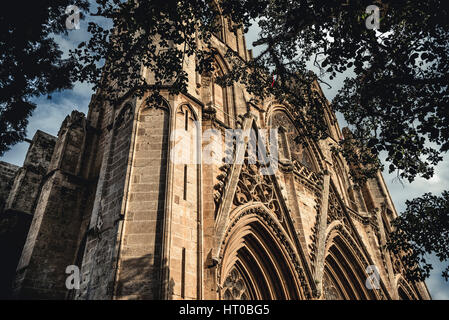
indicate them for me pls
(344, 267)
(343, 182)
(405, 291)
(185, 137)
(185, 106)
(219, 21)
(140, 274)
(305, 154)
(220, 97)
(258, 260)
(351, 195)
(144, 108)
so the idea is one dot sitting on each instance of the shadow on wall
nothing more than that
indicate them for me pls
(140, 279)
(13, 232)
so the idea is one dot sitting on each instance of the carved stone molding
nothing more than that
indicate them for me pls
(255, 187)
(280, 235)
(330, 291)
(404, 285)
(234, 287)
(347, 235)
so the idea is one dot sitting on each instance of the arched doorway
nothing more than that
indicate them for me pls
(405, 292)
(402, 295)
(344, 277)
(258, 261)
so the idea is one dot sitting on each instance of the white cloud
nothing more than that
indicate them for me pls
(49, 115)
(439, 289)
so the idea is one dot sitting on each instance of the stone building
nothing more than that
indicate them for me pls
(109, 196)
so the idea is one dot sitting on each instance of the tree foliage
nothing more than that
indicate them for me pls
(31, 62)
(422, 230)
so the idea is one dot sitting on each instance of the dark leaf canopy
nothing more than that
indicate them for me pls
(31, 62)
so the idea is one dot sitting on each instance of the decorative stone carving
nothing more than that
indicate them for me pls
(280, 234)
(209, 113)
(220, 185)
(335, 211)
(405, 286)
(234, 287)
(297, 150)
(330, 290)
(253, 186)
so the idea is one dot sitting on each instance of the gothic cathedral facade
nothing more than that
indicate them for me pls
(107, 197)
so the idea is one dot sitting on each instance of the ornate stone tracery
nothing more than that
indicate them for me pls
(235, 288)
(298, 151)
(255, 187)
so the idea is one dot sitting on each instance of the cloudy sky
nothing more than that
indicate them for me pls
(49, 115)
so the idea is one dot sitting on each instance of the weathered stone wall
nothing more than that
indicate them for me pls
(99, 263)
(20, 204)
(7, 174)
(183, 229)
(53, 240)
(28, 180)
(139, 270)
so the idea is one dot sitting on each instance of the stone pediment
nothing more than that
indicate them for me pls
(246, 182)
